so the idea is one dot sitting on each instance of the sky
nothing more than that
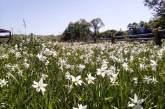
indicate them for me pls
(46, 17)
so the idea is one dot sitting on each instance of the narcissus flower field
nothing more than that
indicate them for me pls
(57, 75)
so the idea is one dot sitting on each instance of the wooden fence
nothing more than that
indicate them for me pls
(156, 36)
(5, 38)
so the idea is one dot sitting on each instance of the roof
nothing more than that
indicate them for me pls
(4, 31)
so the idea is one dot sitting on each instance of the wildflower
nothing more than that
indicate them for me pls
(125, 66)
(142, 66)
(17, 54)
(113, 77)
(47, 63)
(3, 82)
(44, 76)
(90, 79)
(77, 80)
(149, 80)
(47, 52)
(135, 103)
(81, 67)
(39, 86)
(135, 80)
(153, 80)
(101, 72)
(41, 57)
(26, 65)
(153, 65)
(3, 105)
(80, 106)
(68, 76)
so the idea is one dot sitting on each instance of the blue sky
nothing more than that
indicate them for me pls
(53, 16)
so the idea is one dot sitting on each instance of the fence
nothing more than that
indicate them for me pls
(156, 36)
(5, 38)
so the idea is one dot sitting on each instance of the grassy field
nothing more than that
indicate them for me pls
(39, 74)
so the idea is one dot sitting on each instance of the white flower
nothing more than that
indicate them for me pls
(149, 80)
(47, 52)
(68, 76)
(3, 82)
(3, 105)
(47, 63)
(41, 57)
(142, 66)
(77, 80)
(153, 65)
(17, 54)
(81, 67)
(135, 80)
(26, 65)
(153, 80)
(113, 78)
(101, 72)
(135, 103)
(39, 86)
(44, 76)
(125, 66)
(90, 79)
(80, 106)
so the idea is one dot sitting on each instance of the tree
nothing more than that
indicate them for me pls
(96, 23)
(108, 33)
(157, 5)
(79, 30)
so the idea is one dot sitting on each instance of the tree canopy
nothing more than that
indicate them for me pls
(79, 30)
(157, 5)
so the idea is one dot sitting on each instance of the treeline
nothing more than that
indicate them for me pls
(82, 30)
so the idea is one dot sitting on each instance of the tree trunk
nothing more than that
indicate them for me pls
(95, 35)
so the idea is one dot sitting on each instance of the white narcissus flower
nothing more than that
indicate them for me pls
(68, 76)
(135, 103)
(81, 67)
(17, 54)
(135, 80)
(142, 66)
(39, 86)
(41, 57)
(47, 52)
(77, 80)
(80, 106)
(26, 65)
(90, 79)
(149, 80)
(153, 65)
(44, 76)
(153, 80)
(3, 82)
(125, 66)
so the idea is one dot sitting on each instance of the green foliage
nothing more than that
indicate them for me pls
(157, 5)
(159, 22)
(79, 31)
(108, 33)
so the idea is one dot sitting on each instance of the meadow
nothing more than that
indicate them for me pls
(38, 74)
